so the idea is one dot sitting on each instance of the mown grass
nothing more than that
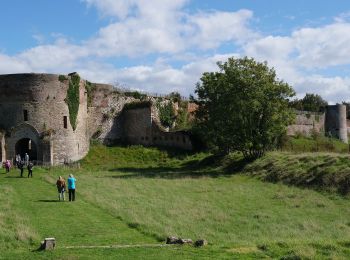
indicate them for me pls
(15, 231)
(141, 195)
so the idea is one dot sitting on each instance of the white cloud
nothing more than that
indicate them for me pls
(334, 89)
(210, 30)
(323, 46)
(160, 26)
(10, 65)
(158, 78)
(124, 8)
(343, 17)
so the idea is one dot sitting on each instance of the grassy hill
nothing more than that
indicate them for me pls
(139, 196)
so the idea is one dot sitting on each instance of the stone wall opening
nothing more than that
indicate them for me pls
(27, 145)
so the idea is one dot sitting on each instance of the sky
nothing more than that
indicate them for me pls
(160, 46)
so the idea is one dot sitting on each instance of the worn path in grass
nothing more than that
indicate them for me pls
(80, 223)
(71, 223)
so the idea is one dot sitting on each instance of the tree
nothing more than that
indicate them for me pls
(311, 102)
(175, 97)
(243, 107)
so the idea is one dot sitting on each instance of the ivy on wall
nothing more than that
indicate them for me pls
(90, 88)
(72, 99)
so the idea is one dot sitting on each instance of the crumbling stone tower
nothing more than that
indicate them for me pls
(335, 123)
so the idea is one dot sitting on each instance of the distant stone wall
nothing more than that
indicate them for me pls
(307, 122)
(332, 123)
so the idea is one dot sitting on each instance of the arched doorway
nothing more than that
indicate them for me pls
(27, 145)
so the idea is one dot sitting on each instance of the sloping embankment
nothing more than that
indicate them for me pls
(321, 171)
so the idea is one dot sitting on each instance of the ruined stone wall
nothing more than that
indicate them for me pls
(43, 97)
(140, 127)
(307, 122)
(105, 121)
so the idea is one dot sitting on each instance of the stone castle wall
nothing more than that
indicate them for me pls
(333, 122)
(306, 123)
(102, 115)
(43, 97)
(33, 107)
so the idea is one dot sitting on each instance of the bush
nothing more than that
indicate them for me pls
(135, 94)
(166, 113)
(138, 104)
(62, 78)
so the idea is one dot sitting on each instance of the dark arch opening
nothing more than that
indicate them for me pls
(26, 145)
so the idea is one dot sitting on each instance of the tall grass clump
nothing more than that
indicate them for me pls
(322, 171)
(314, 143)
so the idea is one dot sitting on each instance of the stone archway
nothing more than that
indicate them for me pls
(24, 139)
(27, 145)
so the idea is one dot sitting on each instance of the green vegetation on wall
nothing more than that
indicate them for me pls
(183, 117)
(72, 99)
(135, 94)
(166, 113)
(139, 104)
(90, 88)
(62, 78)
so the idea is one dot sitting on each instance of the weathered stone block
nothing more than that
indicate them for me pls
(176, 240)
(201, 242)
(48, 244)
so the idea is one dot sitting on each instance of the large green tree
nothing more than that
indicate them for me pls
(242, 107)
(311, 102)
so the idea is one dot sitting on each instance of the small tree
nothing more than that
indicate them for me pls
(166, 113)
(243, 107)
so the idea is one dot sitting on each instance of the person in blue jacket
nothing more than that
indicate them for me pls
(71, 187)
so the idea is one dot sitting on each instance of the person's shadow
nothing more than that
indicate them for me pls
(48, 201)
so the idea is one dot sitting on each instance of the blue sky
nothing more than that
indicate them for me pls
(163, 46)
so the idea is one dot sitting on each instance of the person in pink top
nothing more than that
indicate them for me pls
(8, 166)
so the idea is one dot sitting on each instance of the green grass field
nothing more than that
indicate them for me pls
(139, 196)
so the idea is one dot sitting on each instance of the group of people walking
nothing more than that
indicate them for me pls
(60, 183)
(61, 187)
(20, 164)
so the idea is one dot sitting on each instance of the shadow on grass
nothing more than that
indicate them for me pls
(19, 177)
(212, 166)
(48, 201)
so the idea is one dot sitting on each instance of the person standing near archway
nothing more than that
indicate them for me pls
(20, 166)
(30, 169)
(26, 159)
(8, 166)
